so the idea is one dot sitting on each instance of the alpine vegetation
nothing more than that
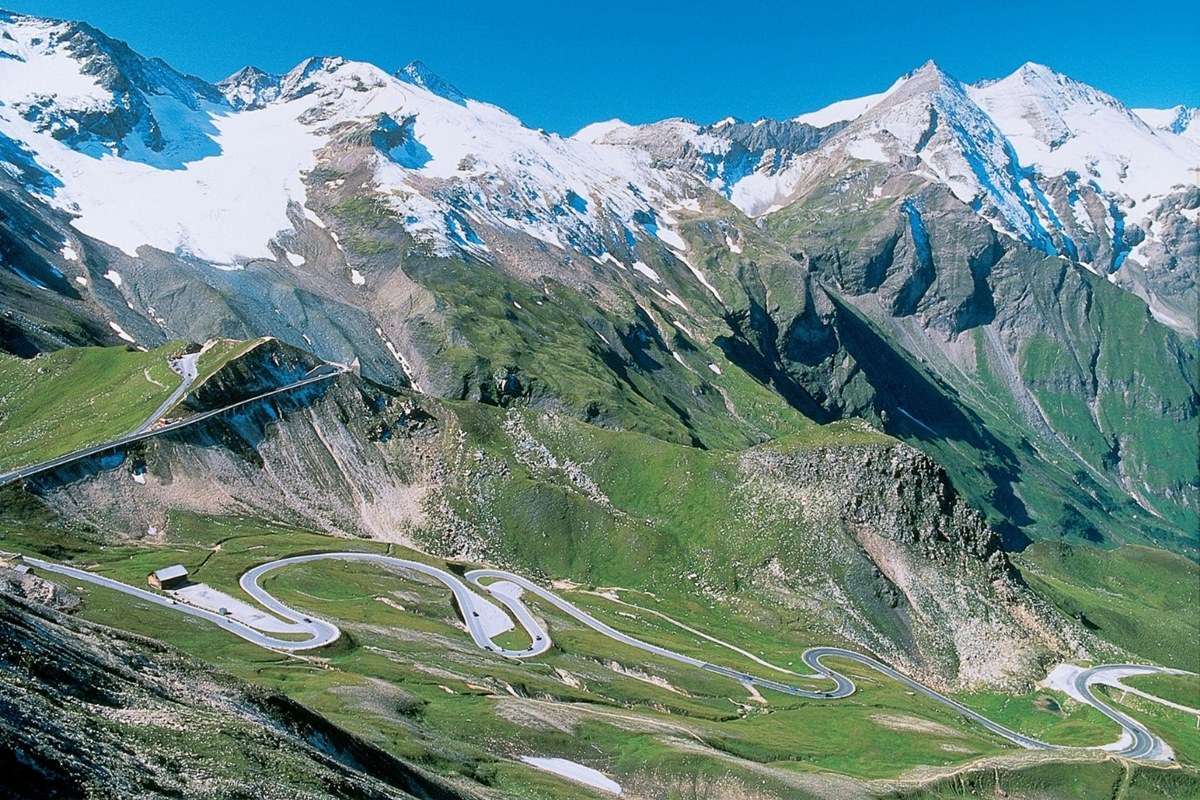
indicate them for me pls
(359, 440)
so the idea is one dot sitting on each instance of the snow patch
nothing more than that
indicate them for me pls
(574, 771)
(121, 332)
(221, 208)
(867, 149)
(845, 110)
(596, 131)
(643, 268)
(670, 297)
(396, 354)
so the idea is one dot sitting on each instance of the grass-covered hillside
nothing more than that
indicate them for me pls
(406, 679)
(71, 398)
(832, 534)
(67, 399)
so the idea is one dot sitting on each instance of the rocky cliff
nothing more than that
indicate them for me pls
(86, 710)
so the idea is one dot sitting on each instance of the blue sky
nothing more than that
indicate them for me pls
(562, 65)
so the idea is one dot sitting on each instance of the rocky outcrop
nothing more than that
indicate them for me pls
(88, 711)
(925, 580)
(18, 581)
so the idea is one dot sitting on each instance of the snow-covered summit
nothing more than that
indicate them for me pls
(418, 74)
(1059, 125)
(250, 87)
(75, 84)
(450, 166)
(928, 115)
(1179, 119)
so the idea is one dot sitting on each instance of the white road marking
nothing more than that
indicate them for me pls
(508, 589)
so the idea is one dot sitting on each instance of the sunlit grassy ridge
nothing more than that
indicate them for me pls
(79, 396)
(71, 398)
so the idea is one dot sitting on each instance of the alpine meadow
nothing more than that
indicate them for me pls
(358, 440)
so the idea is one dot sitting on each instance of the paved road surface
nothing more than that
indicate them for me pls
(1139, 742)
(507, 589)
(321, 373)
(185, 367)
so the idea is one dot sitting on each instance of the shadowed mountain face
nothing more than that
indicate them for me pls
(88, 710)
(1003, 275)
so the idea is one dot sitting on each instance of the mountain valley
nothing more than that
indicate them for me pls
(914, 375)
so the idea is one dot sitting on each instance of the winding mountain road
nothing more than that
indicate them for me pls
(483, 586)
(145, 430)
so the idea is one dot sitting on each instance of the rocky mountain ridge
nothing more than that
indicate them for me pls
(861, 533)
(616, 277)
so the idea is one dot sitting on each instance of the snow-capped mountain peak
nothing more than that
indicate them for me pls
(929, 115)
(1059, 125)
(331, 75)
(450, 167)
(250, 87)
(852, 109)
(75, 84)
(418, 74)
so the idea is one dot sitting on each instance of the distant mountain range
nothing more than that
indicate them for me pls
(1004, 273)
(915, 374)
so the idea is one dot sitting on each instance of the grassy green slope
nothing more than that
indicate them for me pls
(406, 678)
(78, 396)
(1139, 598)
(1182, 689)
(60, 401)
(612, 368)
(1144, 413)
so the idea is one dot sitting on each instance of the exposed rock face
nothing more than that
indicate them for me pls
(30, 586)
(89, 711)
(925, 580)
(869, 543)
(726, 152)
(1163, 267)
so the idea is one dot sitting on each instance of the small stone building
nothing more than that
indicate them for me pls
(171, 577)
